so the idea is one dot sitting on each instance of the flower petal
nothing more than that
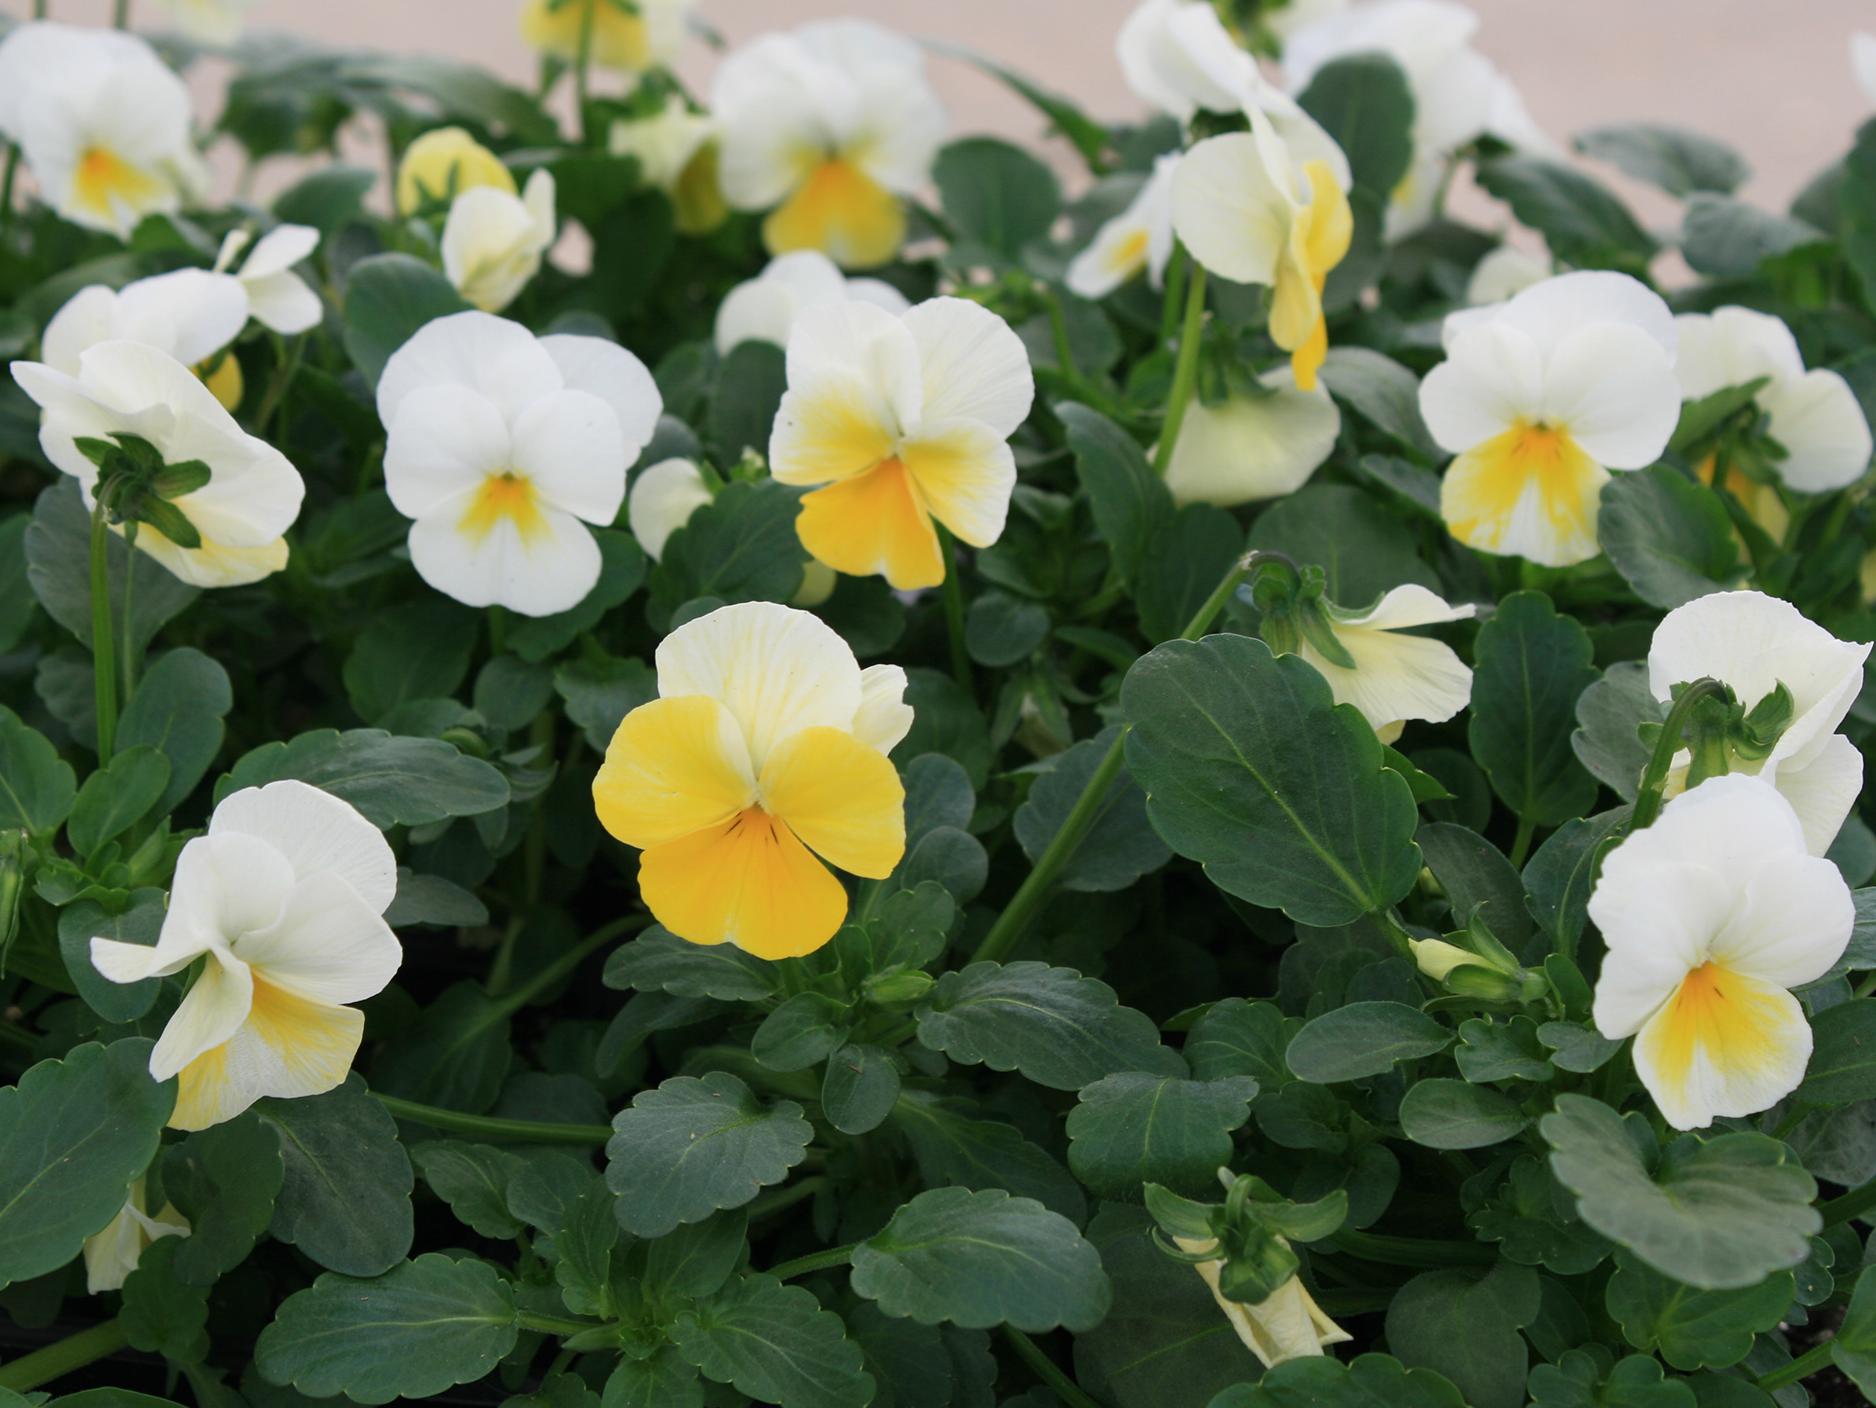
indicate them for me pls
(1613, 389)
(1819, 421)
(290, 1046)
(1526, 493)
(972, 365)
(1791, 925)
(1724, 1045)
(1230, 211)
(328, 945)
(1492, 378)
(608, 371)
(216, 1004)
(1253, 447)
(317, 833)
(749, 882)
(444, 441)
(874, 523)
(662, 499)
(841, 797)
(544, 563)
(828, 430)
(500, 359)
(570, 446)
(964, 473)
(674, 766)
(1822, 788)
(884, 718)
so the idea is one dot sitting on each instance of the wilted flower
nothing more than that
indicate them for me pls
(765, 749)
(1287, 1325)
(905, 421)
(493, 241)
(442, 164)
(112, 1252)
(826, 128)
(1710, 916)
(1540, 398)
(630, 37)
(764, 309)
(500, 444)
(248, 495)
(1139, 239)
(102, 122)
(1754, 644)
(1256, 444)
(281, 902)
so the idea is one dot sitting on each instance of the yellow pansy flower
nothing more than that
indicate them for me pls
(631, 38)
(442, 164)
(763, 757)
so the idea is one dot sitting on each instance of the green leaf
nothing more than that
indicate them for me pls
(695, 1145)
(859, 1088)
(1239, 1038)
(163, 1314)
(423, 1327)
(387, 298)
(1727, 238)
(73, 1134)
(17, 608)
(1451, 1114)
(1252, 770)
(951, 1148)
(1089, 137)
(1576, 1381)
(1465, 1327)
(1363, 101)
(455, 1053)
(224, 1180)
(326, 199)
(1118, 849)
(1130, 1129)
(1530, 664)
(697, 1259)
(981, 1259)
(1843, 1055)
(1856, 219)
(116, 797)
(345, 1197)
(804, 1031)
(1363, 1039)
(1368, 1381)
(392, 781)
(1854, 1348)
(1003, 630)
(58, 567)
(1557, 879)
(37, 787)
(1358, 544)
(741, 546)
(1382, 392)
(748, 391)
(662, 1381)
(997, 197)
(419, 650)
(1609, 715)
(178, 707)
(430, 899)
(473, 1179)
(139, 923)
(1718, 1214)
(621, 571)
(1671, 158)
(776, 1344)
(599, 693)
(659, 961)
(1058, 1028)
(1693, 1329)
(1185, 560)
(1583, 223)
(1478, 880)
(1669, 537)
(1130, 503)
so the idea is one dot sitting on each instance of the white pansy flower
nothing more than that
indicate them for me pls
(278, 298)
(1539, 398)
(764, 309)
(1177, 56)
(1814, 415)
(1395, 677)
(664, 496)
(493, 242)
(129, 388)
(190, 313)
(1504, 273)
(663, 143)
(905, 422)
(1254, 445)
(281, 903)
(212, 22)
(1139, 239)
(102, 122)
(1753, 643)
(1711, 915)
(112, 1252)
(827, 128)
(1863, 63)
(502, 447)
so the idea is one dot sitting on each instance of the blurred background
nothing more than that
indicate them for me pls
(1773, 80)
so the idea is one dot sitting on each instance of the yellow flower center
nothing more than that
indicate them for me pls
(841, 211)
(104, 180)
(502, 496)
(1130, 253)
(1532, 467)
(1716, 1013)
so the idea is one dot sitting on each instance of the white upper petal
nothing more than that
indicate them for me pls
(1820, 422)
(1395, 677)
(1492, 378)
(85, 319)
(884, 718)
(1550, 311)
(858, 344)
(604, 369)
(972, 365)
(663, 497)
(570, 446)
(317, 833)
(1503, 273)
(1730, 347)
(1792, 922)
(1613, 388)
(284, 302)
(329, 944)
(191, 313)
(1821, 787)
(500, 359)
(1229, 209)
(1409, 605)
(444, 440)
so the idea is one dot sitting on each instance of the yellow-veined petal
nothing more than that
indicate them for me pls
(842, 212)
(964, 473)
(874, 524)
(831, 429)
(1528, 492)
(1723, 1045)
(673, 767)
(289, 1046)
(842, 798)
(748, 881)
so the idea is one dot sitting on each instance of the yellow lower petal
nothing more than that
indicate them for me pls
(1319, 240)
(748, 882)
(873, 523)
(104, 181)
(500, 496)
(842, 212)
(1760, 501)
(1717, 1015)
(842, 798)
(289, 1046)
(1529, 492)
(674, 766)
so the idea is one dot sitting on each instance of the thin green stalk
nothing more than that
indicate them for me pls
(498, 631)
(1411, 1251)
(63, 1356)
(1058, 331)
(1185, 371)
(1521, 846)
(1655, 777)
(781, 1199)
(489, 1126)
(582, 62)
(120, 14)
(538, 982)
(1047, 1370)
(6, 187)
(954, 609)
(274, 400)
(128, 678)
(814, 1261)
(1846, 1206)
(1802, 1367)
(103, 659)
(556, 1324)
(1175, 295)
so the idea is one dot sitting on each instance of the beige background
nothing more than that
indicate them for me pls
(1770, 76)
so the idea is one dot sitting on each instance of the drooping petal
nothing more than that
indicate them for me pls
(1819, 421)
(570, 447)
(290, 1046)
(884, 718)
(874, 524)
(1612, 388)
(1230, 210)
(317, 833)
(748, 881)
(776, 669)
(217, 1003)
(674, 766)
(1253, 447)
(1527, 492)
(608, 371)
(841, 797)
(1396, 677)
(444, 441)
(972, 365)
(964, 473)
(1724, 1045)
(1821, 789)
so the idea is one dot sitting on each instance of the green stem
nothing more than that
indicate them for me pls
(1803, 1366)
(1058, 331)
(498, 631)
(6, 187)
(1175, 293)
(120, 14)
(489, 1126)
(781, 1199)
(103, 660)
(582, 62)
(1655, 776)
(538, 982)
(954, 609)
(1411, 1251)
(556, 1324)
(275, 399)
(1521, 846)
(1185, 371)
(1849, 1205)
(62, 1357)
(128, 680)
(1014, 919)
(1047, 1370)
(814, 1261)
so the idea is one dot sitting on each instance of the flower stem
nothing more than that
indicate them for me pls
(1521, 846)
(120, 14)
(1047, 1370)
(1802, 1367)
(6, 186)
(1175, 292)
(556, 1324)
(128, 677)
(1655, 777)
(1014, 919)
(582, 62)
(954, 609)
(538, 982)
(1847, 1206)
(1185, 371)
(781, 1199)
(1411, 1251)
(814, 1261)
(1058, 331)
(63, 1356)
(103, 660)
(490, 1126)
